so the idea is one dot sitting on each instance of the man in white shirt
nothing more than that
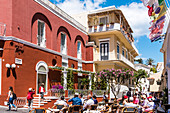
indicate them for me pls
(81, 97)
(130, 104)
(88, 103)
(61, 101)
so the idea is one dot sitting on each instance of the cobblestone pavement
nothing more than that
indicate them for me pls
(20, 110)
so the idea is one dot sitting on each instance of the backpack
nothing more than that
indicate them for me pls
(14, 96)
(29, 96)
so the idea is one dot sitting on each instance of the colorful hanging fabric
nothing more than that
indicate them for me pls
(150, 10)
(153, 3)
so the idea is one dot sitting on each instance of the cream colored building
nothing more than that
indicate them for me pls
(155, 86)
(111, 36)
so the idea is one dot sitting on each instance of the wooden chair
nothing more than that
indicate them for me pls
(38, 110)
(76, 109)
(93, 107)
(129, 110)
(58, 106)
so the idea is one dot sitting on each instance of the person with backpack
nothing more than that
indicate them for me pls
(11, 97)
(30, 94)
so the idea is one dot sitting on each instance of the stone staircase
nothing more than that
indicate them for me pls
(37, 103)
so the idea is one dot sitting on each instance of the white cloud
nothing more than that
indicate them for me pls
(77, 6)
(137, 17)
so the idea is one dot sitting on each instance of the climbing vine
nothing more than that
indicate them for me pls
(70, 80)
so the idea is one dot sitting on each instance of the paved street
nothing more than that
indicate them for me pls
(20, 110)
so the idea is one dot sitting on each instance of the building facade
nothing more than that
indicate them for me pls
(112, 40)
(35, 37)
(165, 78)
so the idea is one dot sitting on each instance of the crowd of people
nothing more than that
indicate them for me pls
(143, 101)
(78, 100)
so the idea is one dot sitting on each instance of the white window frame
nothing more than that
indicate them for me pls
(104, 41)
(79, 55)
(105, 19)
(123, 50)
(65, 60)
(118, 43)
(65, 53)
(39, 64)
(43, 43)
(80, 67)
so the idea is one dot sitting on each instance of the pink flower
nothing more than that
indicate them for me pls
(113, 72)
(110, 70)
(99, 75)
(105, 75)
(113, 69)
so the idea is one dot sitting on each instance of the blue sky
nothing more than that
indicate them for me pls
(135, 13)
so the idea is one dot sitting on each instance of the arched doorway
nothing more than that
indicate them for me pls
(42, 75)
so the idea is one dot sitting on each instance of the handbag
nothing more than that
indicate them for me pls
(6, 103)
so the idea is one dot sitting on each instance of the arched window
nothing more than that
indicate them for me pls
(63, 43)
(42, 75)
(41, 39)
(79, 49)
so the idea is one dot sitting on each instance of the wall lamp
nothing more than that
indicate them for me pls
(10, 66)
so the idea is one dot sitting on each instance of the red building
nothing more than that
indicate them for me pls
(35, 34)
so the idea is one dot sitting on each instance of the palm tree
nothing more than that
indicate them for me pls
(149, 61)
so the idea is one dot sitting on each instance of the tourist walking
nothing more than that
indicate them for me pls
(30, 94)
(42, 90)
(10, 98)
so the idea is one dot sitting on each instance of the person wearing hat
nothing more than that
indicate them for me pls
(30, 94)
(42, 90)
(149, 106)
(130, 104)
(89, 102)
(75, 100)
(145, 101)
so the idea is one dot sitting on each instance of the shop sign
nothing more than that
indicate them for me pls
(18, 61)
(80, 74)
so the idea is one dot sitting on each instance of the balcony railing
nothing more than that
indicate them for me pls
(101, 28)
(99, 92)
(126, 61)
(2, 29)
(125, 34)
(80, 91)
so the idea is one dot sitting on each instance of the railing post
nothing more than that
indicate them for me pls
(65, 79)
(39, 100)
(90, 83)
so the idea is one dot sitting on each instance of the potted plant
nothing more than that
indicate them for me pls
(57, 90)
(95, 23)
(111, 22)
(107, 25)
(101, 24)
(158, 82)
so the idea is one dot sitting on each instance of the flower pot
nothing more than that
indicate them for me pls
(90, 26)
(101, 24)
(107, 25)
(95, 27)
